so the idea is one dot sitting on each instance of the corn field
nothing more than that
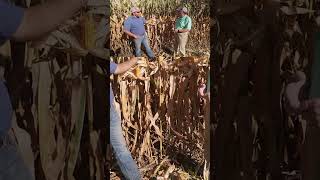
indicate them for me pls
(58, 88)
(163, 117)
(161, 33)
(56, 85)
(162, 114)
(258, 53)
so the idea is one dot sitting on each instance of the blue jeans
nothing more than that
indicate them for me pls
(5, 109)
(12, 166)
(137, 44)
(125, 161)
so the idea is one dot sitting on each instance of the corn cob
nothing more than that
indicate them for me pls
(89, 31)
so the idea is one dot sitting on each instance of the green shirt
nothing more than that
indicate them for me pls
(183, 22)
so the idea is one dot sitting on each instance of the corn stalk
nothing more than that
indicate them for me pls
(161, 114)
(161, 34)
(53, 97)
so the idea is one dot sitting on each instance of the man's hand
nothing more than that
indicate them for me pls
(142, 62)
(125, 66)
(41, 19)
(201, 89)
(131, 34)
(135, 37)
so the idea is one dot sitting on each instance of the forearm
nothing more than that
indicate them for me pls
(129, 33)
(123, 67)
(41, 19)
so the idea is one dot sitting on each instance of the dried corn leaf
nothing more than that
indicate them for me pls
(78, 104)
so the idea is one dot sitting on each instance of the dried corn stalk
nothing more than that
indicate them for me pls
(57, 98)
(157, 121)
(160, 31)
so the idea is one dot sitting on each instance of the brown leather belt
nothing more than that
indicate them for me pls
(182, 32)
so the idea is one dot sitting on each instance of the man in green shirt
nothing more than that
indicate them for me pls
(182, 29)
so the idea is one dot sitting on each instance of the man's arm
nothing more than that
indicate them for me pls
(42, 19)
(126, 29)
(130, 34)
(125, 66)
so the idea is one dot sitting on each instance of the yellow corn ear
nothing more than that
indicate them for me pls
(89, 32)
(137, 72)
